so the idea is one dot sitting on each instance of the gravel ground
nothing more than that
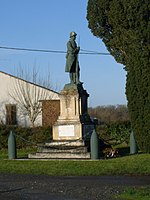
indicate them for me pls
(43, 187)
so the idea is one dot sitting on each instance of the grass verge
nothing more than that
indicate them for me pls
(142, 193)
(128, 165)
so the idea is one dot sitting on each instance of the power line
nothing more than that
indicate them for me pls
(94, 52)
(26, 49)
(52, 51)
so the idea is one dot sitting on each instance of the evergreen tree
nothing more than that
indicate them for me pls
(124, 27)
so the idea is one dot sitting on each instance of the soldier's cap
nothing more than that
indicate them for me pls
(72, 34)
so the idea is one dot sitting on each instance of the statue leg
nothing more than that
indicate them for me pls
(77, 77)
(71, 78)
(77, 73)
(74, 78)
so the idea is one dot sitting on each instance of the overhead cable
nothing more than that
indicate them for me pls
(26, 49)
(52, 51)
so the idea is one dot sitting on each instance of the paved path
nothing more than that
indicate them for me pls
(43, 187)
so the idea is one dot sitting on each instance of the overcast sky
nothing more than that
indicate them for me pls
(46, 24)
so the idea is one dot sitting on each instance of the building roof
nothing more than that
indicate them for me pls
(7, 74)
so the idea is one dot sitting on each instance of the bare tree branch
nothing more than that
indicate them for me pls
(28, 94)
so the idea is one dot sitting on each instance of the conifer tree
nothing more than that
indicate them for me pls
(124, 27)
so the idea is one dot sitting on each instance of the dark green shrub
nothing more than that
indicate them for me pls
(4, 133)
(25, 137)
(117, 132)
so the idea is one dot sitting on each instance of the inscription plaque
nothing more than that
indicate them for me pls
(66, 130)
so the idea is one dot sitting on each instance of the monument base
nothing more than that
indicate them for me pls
(73, 129)
(68, 131)
(73, 123)
(62, 150)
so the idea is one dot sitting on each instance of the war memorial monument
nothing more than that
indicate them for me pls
(73, 128)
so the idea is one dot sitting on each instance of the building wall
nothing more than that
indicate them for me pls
(50, 112)
(8, 85)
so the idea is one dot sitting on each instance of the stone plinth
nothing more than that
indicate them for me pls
(74, 122)
(72, 130)
(62, 150)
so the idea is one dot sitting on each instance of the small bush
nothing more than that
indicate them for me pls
(117, 132)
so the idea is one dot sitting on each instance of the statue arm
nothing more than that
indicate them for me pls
(71, 49)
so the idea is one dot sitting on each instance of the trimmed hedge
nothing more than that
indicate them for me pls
(117, 132)
(25, 137)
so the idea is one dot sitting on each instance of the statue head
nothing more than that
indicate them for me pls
(73, 34)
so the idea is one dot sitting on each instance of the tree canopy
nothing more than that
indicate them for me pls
(124, 27)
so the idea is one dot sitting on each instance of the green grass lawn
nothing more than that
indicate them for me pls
(142, 193)
(127, 165)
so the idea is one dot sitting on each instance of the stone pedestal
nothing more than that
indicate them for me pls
(74, 122)
(72, 131)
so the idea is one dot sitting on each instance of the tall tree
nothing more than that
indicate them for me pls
(124, 27)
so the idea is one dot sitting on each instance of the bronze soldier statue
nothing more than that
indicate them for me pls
(72, 63)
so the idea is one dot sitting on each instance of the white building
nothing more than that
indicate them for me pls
(20, 98)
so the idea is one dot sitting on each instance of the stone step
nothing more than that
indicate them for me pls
(66, 143)
(62, 155)
(72, 149)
